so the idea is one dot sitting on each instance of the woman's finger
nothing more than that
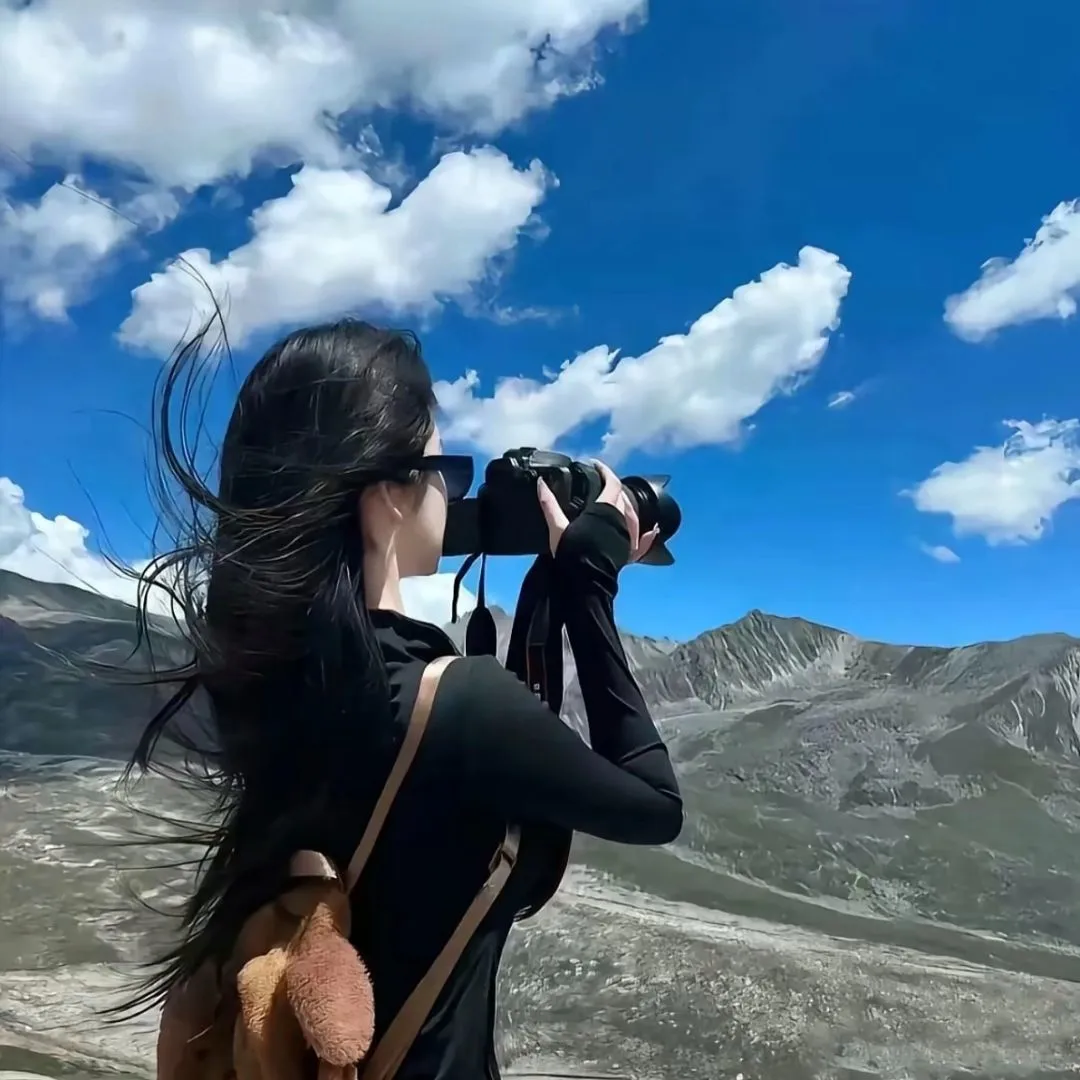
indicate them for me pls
(633, 525)
(646, 542)
(553, 513)
(612, 485)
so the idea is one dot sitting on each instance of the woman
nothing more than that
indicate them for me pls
(333, 488)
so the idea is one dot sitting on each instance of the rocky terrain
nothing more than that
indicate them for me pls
(879, 875)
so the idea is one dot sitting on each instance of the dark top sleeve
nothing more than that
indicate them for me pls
(523, 762)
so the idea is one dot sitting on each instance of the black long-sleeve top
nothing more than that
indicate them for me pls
(492, 754)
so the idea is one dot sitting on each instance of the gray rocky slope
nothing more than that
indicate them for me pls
(879, 874)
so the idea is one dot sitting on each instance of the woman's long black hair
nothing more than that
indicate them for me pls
(268, 576)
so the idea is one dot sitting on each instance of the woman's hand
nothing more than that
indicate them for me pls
(613, 494)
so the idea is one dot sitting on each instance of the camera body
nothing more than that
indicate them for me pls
(505, 516)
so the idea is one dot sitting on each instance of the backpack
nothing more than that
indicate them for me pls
(294, 1001)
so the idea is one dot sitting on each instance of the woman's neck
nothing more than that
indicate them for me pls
(382, 584)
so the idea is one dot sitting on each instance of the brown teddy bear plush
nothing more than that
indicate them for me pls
(293, 988)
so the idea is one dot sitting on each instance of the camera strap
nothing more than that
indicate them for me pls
(481, 635)
(534, 654)
(535, 650)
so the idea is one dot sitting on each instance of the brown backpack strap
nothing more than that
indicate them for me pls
(425, 696)
(385, 1060)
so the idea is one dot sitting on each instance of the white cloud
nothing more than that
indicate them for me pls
(430, 598)
(940, 552)
(51, 249)
(1009, 493)
(1042, 282)
(179, 94)
(690, 389)
(331, 244)
(189, 92)
(151, 208)
(54, 549)
(842, 399)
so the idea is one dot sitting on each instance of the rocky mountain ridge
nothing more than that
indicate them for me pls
(879, 873)
(1027, 689)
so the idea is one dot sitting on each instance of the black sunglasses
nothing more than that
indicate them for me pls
(456, 471)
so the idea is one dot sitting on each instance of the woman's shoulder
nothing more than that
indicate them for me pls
(476, 702)
(482, 712)
(472, 683)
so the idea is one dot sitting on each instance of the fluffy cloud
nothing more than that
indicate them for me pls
(51, 248)
(690, 389)
(430, 598)
(940, 553)
(54, 549)
(1009, 493)
(188, 92)
(280, 82)
(332, 244)
(1042, 282)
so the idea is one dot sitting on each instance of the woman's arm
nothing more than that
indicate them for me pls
(521, 761)
(588, 559)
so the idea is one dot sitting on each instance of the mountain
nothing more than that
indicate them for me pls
(911, 781)
(904, 781)
(866, 822)
(57, 695)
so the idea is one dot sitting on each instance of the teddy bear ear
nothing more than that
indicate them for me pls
(268, 1042)
(330, 991)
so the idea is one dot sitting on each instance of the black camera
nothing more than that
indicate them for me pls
(505, 517)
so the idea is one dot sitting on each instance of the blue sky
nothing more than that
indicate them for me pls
(905, 137)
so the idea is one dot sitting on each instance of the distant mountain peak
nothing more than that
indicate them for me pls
(758, 618)
(760, 650)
